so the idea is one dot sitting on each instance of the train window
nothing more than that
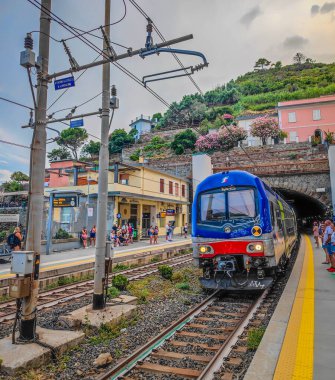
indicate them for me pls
(242, 203)
(213, 207)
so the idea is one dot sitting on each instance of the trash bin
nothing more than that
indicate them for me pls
(135, 236)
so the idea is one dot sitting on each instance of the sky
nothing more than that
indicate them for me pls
(232, 34)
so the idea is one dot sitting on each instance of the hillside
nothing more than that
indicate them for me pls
(254, 91)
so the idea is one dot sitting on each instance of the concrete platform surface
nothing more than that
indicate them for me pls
(16, 357)
(85, 315)
(264, 363)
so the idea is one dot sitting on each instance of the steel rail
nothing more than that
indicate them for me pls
(126, 365)
(89, 283)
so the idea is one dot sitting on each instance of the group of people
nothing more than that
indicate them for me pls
(325, 231)
(91, 238)
(122, 235)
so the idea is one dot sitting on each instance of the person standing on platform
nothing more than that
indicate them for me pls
(316, 234)
(83, 236)
(332, 252)
(93, 234)
(156, 231)
(170, 231)
(185, 230)
(326, 240)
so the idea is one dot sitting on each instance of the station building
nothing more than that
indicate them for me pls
(137, 194)
(305, 119)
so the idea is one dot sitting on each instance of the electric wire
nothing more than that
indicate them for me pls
(15, 144)
(80, 105)
(18, 104)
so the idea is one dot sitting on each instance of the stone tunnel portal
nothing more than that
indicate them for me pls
(306, 207)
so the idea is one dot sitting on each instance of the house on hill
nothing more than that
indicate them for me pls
(305, 119)
(142, 124)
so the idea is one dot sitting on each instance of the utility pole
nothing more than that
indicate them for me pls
(100, 251)
(36, 194)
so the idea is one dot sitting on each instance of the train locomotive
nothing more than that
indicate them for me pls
(243, 232)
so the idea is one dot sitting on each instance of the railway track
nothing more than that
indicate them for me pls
(81, 289)
(194, 346)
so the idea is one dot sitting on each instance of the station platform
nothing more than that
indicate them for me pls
(80, 257)
(299, 342)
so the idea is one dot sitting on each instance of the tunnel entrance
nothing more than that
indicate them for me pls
(306, 207)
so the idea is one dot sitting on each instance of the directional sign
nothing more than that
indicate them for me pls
(64, 83)
(76, 123)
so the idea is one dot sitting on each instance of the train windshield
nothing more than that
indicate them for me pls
(221, 205)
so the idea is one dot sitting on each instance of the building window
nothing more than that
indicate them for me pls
(161, 185)
(292, 118)
(176, 186)
(170, 187)
(183, 191)
(124, 179)
(316, 114)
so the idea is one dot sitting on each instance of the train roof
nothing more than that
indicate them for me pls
(229, 178)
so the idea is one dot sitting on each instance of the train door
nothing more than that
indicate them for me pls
(284, 229)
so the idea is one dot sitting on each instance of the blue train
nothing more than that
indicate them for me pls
(243, 232)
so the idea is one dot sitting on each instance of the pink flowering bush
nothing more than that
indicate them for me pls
(265, 127)
(225, 139)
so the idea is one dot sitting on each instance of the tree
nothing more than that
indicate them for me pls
(19, 177)
(231, 135)
(118, 139)
(73, 139)
(261, 64)
(157, 116)
(58, 154)
(265, 127)
(278, 65)
(12, 186)
(91, 150)
(299, 58)
(310, 60)
(184, 140)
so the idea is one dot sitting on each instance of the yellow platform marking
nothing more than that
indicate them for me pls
(296, 358)
(132, 251)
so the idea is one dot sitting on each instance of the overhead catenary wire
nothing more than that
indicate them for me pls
(16, 103)
(15, 144)
(144, 14)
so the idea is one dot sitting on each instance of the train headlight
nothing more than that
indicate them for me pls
(205, 249)
(255, 247)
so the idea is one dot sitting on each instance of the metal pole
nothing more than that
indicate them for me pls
(49, 226)
(36, 195)
(99, 270)
(88, 201)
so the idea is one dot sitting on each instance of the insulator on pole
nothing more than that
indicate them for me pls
(74, 64)
(113, 90)
(28, 42)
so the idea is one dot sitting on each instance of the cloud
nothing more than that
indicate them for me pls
(295, 42)
(250, 16)
(3, 162)
(4, 175)
(315, 10)
(327, 8)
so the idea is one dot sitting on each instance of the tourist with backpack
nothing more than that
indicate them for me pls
(14, 240)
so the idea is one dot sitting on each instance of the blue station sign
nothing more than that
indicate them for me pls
(76, 123)
(64, 83)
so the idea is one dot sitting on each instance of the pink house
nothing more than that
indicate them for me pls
(302, 119)
(59, 173)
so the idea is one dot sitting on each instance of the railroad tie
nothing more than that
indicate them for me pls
(156, 368)
(162, 354)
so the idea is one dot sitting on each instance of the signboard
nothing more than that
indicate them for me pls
(118, 215)
(90, 211)
(163, 214)
(9, 218)
(170, 212)
(64, 83)
(65, 201)
(320, 190)
(76, 123)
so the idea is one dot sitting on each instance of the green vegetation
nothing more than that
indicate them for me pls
(68, 281)
(165, 271)
(113, 292)
(120, 267)
(120, 282)
(72, 139)
(254, 338)
(155, 259)
(3, 235)
(183, 140)
(90, 151)
(58, 154)
(183, 286)
(62, 234)
(109, 331)
(119, 139)
(255, 91)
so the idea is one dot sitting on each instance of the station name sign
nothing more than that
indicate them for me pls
(65, 201)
